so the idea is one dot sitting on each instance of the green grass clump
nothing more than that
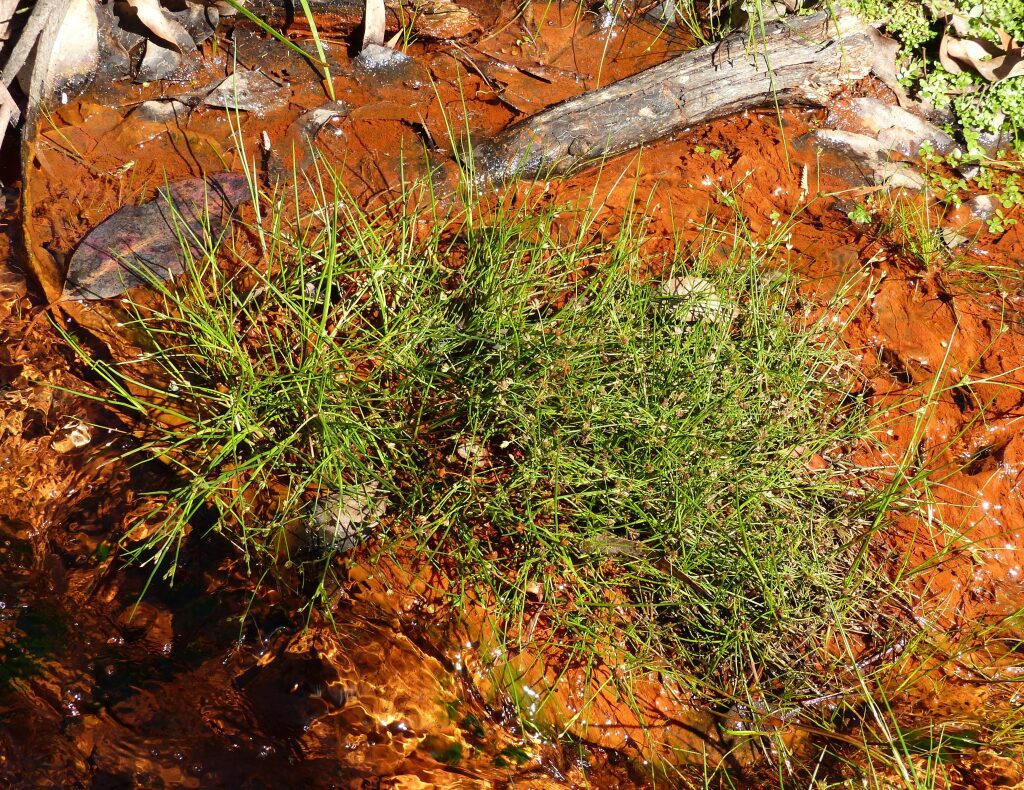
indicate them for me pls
(536, 415)
(652, 472)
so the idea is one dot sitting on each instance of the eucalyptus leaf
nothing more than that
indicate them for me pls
(140, 245)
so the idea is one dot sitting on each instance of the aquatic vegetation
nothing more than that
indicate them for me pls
(631, 461)
(654, 472)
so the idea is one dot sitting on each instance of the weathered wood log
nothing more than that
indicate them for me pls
(799, 60)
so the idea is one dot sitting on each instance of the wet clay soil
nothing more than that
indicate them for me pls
(226, 680)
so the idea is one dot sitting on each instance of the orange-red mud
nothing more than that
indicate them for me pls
(207, 685)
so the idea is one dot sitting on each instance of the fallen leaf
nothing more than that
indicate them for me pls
(158, 63)
(994, 62)
(76, 49)
(249, 91)
(199, 21)
(225, 8)
(9, 112)
(139, 244)
(151, 15)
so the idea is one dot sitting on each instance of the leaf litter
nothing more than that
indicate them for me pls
(139, 244)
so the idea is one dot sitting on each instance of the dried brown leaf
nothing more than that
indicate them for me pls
(994, 62)
(138, 244)
(165, 27)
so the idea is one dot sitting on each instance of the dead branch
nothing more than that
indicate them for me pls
(800, 60)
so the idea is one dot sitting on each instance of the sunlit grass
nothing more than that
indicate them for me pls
(631, 472)
(639, 465)
(626, 475)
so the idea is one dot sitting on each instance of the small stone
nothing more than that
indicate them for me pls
(983, 207)
(992, 143)
(475, 454)
(868, 157)
(375, 56)
(344, 519)
(160, 110)
(294, 152)
(664, 12)
(314, 120)
(953, 238)
(698, 300)
(606, 19)
(854, 143)
(70, 437)
(897, 175)
(895, 129)
(12, 286)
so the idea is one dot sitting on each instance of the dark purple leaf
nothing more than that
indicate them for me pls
(138, 245)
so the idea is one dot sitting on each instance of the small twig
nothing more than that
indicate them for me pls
(374, 24)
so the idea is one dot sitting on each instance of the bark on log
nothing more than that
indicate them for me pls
(800, 60)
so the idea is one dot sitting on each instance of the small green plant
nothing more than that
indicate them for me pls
(714, 153)
(920, 228)
(999, 223)
(860, 214)
(908, 223)
(981, 100)
(956, 175)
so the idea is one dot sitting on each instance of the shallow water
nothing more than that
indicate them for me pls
(111, 679)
